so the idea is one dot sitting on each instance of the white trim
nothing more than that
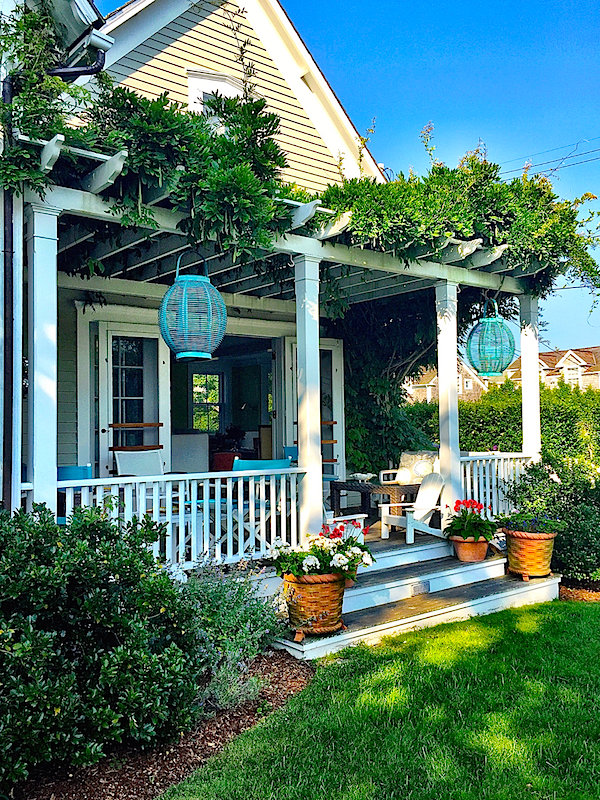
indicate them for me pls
(120, 320)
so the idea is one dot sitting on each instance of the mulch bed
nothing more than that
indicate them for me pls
(584, 591)
(128, 774)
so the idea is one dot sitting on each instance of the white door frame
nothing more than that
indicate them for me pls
(336, 347)
(122, 321)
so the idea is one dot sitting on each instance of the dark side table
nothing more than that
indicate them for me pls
(396, 493)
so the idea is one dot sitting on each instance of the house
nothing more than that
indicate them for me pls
(579, 367)
(102, 382)
(424, 389)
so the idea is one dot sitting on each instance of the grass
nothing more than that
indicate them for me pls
(505, 706)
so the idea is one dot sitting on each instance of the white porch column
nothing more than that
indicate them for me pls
(530, 376)
(309, 395)
(42, 241)
(447, 349)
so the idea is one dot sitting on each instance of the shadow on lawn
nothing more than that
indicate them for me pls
(503, 707)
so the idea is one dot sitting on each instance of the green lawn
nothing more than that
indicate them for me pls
(505, 706)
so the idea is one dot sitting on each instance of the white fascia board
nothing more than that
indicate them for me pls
(573, 354)
(295, 62)
(376, 260)
(134, 27)
(155, 291)
(85, 204)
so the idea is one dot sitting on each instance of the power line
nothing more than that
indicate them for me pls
(560, 160)
(552, 150)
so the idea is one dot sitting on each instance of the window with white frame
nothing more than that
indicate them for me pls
(207, 393)
(572, 376)
(468, 384)
(205, 83)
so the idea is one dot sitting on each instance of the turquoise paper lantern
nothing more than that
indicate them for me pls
(192, 317)
(491, 345)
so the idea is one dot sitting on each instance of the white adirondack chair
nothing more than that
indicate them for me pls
(417, 515)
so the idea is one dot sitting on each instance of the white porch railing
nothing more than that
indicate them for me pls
(222, 517)
(485, 475)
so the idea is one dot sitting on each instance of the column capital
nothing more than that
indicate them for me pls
(42, 208)
(306, 267)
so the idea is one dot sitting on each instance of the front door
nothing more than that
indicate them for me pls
(133, 393)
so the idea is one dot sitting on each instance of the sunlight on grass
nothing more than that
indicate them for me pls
(446, 650)
(528, 622)
(499, 708)
(501, 746)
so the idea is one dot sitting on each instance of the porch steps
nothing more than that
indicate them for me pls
(371, 625)
(384, 586)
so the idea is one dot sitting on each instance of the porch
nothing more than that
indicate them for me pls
(76, 410)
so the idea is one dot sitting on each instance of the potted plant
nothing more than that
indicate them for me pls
(314, 579)
(469, 531)
(530, 542)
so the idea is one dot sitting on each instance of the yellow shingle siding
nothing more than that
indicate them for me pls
(204, 38)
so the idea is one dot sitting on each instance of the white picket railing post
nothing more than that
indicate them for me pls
(485, 476)
(222, 517)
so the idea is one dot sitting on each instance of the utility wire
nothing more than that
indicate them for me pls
(552, 150)
(554, 160)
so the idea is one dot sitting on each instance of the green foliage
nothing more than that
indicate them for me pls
(570, 421)
(333, 550)
(416, 215)
(100, 645)
(564, 498)
(239, 625)
(499, 707)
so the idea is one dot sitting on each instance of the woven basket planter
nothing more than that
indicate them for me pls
(468, 549)
(529, 554)
(314, 603)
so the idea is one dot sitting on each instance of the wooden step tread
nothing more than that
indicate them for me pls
(374, 576)
(424, 603)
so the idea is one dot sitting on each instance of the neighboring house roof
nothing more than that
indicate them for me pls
(429, 376)
(553, 361)
(158, 41)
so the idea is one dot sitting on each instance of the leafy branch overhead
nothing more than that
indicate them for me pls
(222, 169)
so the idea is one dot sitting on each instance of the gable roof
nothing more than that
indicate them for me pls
(554, 360)
(157, 41)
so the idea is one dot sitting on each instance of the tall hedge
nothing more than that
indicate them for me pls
(570, 420)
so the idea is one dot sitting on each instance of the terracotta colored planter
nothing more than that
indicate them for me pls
(314, 603)
(468, 549)
(529, 554)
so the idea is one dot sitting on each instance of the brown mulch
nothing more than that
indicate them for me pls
(578, 593)
(129, 774)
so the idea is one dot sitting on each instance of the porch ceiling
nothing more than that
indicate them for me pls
(88, 230)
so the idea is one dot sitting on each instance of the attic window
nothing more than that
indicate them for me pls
(205, 83)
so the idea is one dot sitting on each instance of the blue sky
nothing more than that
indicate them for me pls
(523, 77)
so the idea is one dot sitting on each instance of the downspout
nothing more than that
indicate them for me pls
(67, 73)
(7, 406)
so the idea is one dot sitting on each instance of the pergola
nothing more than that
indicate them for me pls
(144, 261)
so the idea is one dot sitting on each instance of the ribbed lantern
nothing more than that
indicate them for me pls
(192, 317)
(491, 345)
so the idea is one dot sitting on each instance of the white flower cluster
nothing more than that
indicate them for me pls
(323, 543)
(310, 562)
(339, 560)
(366, 559)
(279, 547)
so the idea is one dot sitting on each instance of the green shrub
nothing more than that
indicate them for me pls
(577, 549)
(239, 624)
(567, 492)
(100, 645)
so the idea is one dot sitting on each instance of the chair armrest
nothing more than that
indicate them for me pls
(404, 505)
